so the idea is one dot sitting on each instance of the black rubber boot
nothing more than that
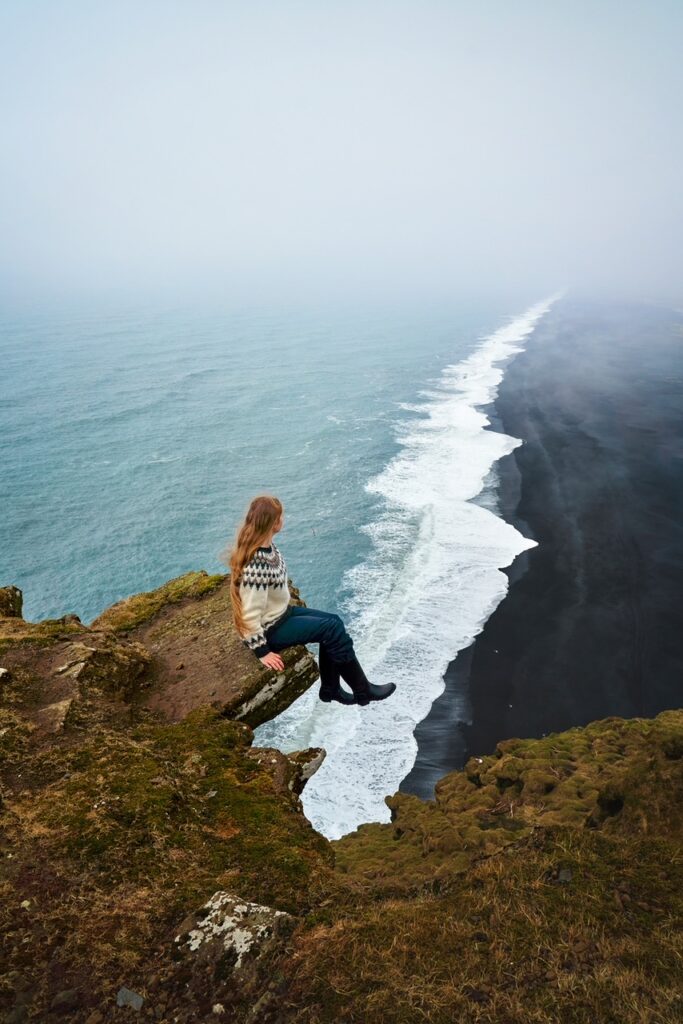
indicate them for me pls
(364, 691)
(330, 688)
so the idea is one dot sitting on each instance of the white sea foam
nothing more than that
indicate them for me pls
(430, 583)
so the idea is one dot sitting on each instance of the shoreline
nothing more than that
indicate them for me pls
(590, 626)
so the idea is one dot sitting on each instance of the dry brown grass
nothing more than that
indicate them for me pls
(507, 942)
(544, 883)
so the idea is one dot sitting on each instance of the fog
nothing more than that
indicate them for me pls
(293, 149)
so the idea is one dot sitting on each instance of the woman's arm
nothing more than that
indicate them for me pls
(253, 605)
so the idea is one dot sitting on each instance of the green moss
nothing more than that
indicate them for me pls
(127, 832)
(121, 804)
(139, 608)
(39, 634)
(614, 774)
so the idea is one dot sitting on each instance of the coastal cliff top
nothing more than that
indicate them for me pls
(154, 859)
(170, 650)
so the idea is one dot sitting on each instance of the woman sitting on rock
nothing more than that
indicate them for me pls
(268, 623)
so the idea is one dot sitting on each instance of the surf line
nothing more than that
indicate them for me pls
(430, 582)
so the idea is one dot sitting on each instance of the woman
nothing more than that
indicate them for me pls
(268, 623)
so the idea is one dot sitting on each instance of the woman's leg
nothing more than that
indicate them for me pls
(310, 626)
(329, 671)
(364, 691)
(330, 685)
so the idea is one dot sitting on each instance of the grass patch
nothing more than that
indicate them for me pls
(567, 925)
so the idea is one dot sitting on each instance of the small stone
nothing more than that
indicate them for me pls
(51, 718)
(124, 997)
(65, 1001)
(218, 1008)
(25, 904)
(565, 875)
(95, 1017)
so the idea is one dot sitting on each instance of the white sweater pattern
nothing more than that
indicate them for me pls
(265, 596)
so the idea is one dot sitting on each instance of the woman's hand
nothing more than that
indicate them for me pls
(273, 660)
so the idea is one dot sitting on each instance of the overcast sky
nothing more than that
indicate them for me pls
(262, 148)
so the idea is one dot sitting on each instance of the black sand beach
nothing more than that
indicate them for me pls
(592, 624)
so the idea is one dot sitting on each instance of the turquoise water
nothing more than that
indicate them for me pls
(133, 439)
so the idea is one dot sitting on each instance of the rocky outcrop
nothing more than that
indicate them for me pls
(171, 650)
(11, 602)
(196, 656)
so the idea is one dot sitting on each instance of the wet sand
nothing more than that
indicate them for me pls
(592, 624)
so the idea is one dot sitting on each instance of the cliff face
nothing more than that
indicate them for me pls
(155, 865)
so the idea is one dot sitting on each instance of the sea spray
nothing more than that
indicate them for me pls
(428, 586)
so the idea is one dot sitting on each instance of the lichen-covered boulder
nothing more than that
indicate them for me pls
(222, 954)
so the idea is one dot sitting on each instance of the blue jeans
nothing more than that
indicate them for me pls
(310, 626)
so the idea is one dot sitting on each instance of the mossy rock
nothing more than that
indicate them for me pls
(15, 631)
(616, 775)
(133, 611)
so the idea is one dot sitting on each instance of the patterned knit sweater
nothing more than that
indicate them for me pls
(265, 596)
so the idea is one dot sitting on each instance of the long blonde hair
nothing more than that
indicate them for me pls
(262, 514)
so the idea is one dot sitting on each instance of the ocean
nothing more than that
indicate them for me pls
(133, 438)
